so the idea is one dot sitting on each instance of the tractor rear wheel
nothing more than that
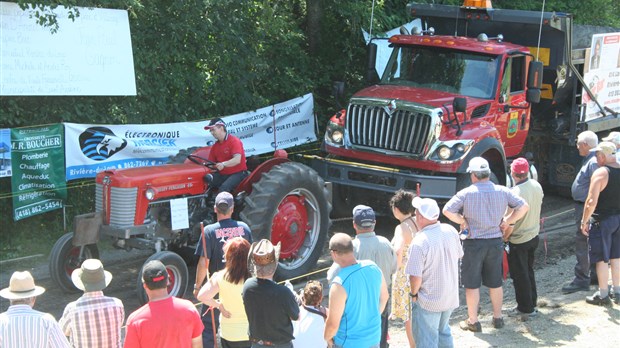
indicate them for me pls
(289, 204)
(65, 258)
(178, 275)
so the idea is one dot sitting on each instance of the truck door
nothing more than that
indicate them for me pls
(515, 119)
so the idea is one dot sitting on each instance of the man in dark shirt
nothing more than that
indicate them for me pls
(212, 260)
(585, 142)
(601, 223)
(270, 307)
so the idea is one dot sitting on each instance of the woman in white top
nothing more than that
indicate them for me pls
(229, 284)
(403, 235)
(308, 330)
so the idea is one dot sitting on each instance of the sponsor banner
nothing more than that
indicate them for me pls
(38, 180)
(5, 152)
(90, 149)
(603, 76)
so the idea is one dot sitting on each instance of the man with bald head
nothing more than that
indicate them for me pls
(357, 296)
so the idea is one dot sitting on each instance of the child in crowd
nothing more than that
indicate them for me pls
(308, 330)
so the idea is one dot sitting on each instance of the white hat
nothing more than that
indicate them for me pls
(614, 137)
(478, 164)
(21, 285)
(426, 207)
(91, 276)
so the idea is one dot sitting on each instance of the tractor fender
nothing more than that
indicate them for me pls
(255, 175)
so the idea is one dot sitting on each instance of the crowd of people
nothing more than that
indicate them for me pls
(415, 277)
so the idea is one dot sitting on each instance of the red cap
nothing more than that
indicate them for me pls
(520, 166)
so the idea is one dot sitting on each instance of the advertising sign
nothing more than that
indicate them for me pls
(91, 149)
(603, 76)
(38, 180)
(5, 152)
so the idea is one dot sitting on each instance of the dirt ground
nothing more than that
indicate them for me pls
(564, 320)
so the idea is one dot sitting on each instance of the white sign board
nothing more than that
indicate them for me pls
(90, 149)
(178, 213)
(603, 76)
(90, 56)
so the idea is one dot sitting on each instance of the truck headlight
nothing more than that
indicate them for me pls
(334, 134)
(150, 194)
(444, 152)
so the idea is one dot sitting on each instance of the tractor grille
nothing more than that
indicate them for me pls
(403, 131)
(122, 204)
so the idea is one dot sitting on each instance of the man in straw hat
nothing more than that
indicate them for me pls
(601, 223)
(21, 326)
(270, 307)
(93, 320)
(166, 321)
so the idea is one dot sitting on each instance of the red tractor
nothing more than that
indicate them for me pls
(281, 200)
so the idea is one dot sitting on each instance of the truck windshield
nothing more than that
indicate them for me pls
(465, 73)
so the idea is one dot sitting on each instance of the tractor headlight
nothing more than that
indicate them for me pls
(444, 152)
(150, 194)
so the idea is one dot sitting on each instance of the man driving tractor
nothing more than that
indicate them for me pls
(228, 155)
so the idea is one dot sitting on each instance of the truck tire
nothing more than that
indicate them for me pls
(178, 275)
(289, 204)
(65, 258)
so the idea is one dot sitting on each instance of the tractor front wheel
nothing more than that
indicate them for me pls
(65, 258)
(289, 205)
(178, 275)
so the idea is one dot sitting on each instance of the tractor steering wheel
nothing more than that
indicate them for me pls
(203, 162)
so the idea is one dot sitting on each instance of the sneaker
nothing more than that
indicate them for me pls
(514, 312)
(572, 287)
(498, 323)
(467, 326)
(596, 299)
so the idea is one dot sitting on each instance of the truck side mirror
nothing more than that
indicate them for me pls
(532, 95)
(371, 73)
(338, 92)
(459, 104)
(535, 74)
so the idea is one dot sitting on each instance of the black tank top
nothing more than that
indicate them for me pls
(609, 199)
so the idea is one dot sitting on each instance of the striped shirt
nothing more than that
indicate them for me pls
(23, 327)
(434, 256)
(484, 205)
(93, 321)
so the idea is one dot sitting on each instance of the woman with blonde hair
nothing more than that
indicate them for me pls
(402, 209)
(229, 284)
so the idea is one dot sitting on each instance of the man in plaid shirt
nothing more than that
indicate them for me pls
(93, 320)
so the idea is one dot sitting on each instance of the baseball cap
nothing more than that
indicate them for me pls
(520, 166)
(215, 122)
(606, 147)
(613, 137)
(426, 207)
(478, 164)
(364, 216)
(224, 198)
(154, 273)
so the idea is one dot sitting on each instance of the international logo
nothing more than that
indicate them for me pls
(100, 143)
(390, 107)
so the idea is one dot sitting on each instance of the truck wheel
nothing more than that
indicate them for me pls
(177, 275)
(65, 257)
(289, 205)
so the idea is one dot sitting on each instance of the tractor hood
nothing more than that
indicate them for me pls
(164, 176)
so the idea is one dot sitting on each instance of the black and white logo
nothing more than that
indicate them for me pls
(100, 143)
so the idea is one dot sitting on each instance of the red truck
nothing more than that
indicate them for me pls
(470, 83)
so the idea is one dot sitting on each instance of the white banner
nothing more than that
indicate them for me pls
(90, 55)
(90, 149)
(603, 76)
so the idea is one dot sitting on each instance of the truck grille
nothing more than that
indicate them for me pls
(122, 204)
(403, 131)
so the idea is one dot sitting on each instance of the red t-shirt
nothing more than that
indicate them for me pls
(167, 323)
(224, 150)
